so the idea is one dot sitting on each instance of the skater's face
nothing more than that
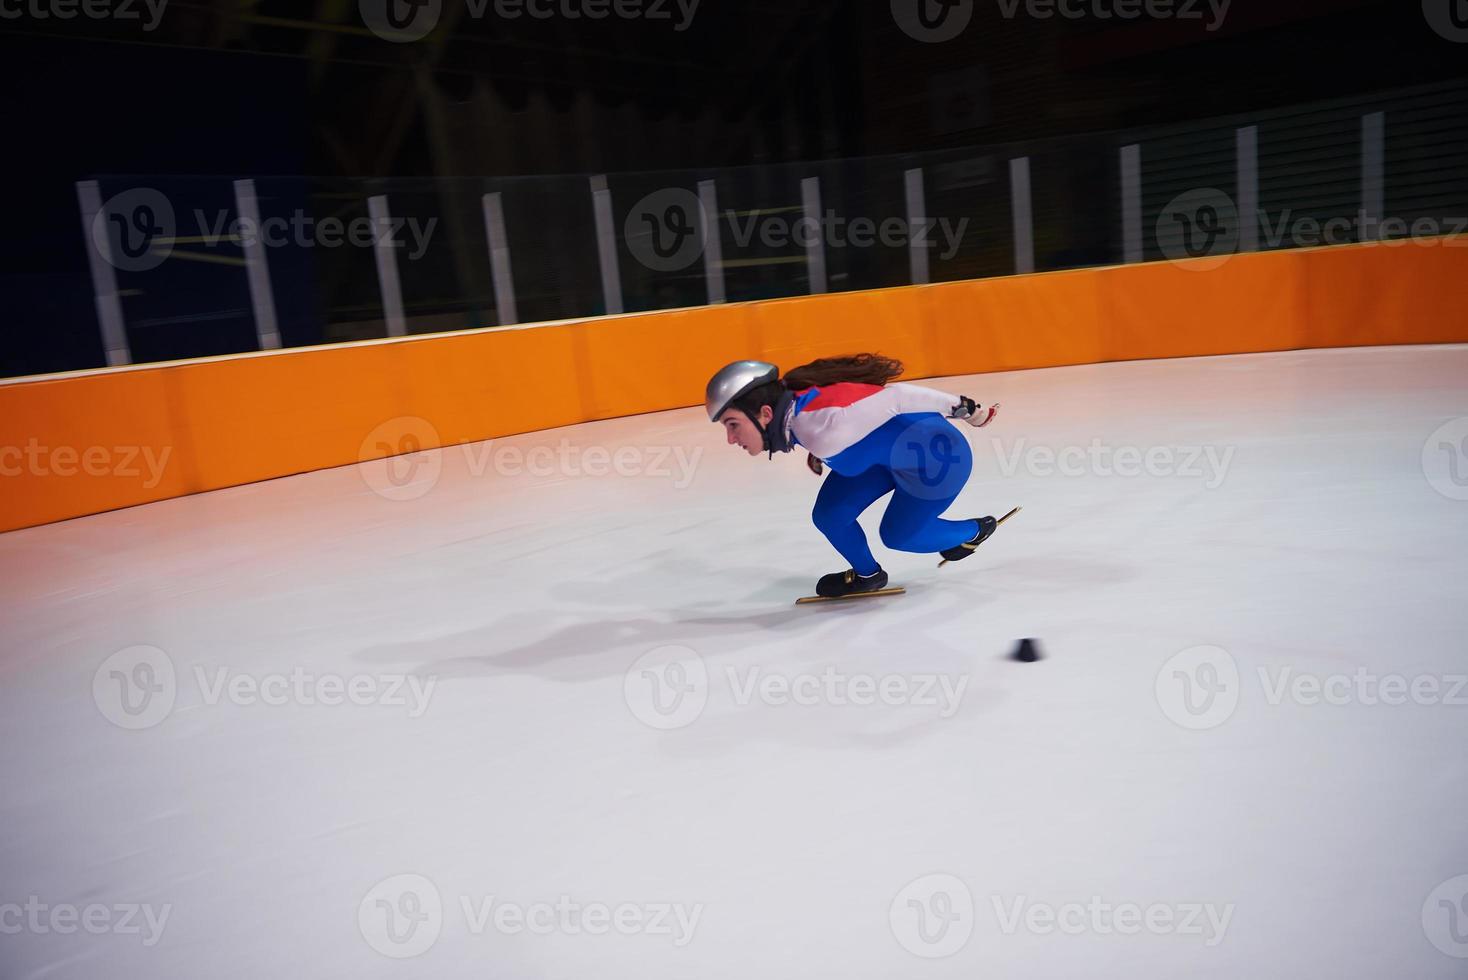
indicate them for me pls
(743, 433)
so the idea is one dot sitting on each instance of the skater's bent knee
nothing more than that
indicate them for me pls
(828, 521)
(897, 540)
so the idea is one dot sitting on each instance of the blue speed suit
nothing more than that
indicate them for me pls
(878, 440)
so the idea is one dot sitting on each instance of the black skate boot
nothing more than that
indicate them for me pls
(962, 551)
(839, 585)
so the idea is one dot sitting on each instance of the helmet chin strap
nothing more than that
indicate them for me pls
(774, 433)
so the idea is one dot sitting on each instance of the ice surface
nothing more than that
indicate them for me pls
(1323, 539)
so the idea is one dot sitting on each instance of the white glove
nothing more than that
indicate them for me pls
(973, 413)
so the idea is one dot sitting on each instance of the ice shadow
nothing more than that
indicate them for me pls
(757, 629)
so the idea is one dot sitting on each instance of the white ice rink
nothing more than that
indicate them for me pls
(1126, 807)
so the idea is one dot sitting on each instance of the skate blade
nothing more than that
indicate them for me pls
(847, 598)
(991, 533)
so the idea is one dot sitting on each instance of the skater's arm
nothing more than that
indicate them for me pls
(913, 399)
(916, 398)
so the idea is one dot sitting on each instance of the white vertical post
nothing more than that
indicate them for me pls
(499, 259)
(1022, 209)
(257, 266)
(1373, 174)
(606, 244)
(1131, 202)
(917, 227)
(1247, 149)
(815, 248)
(104, 276)
(713, 245)
(387, 266)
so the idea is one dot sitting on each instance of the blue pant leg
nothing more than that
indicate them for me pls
(933, 463)
(840, 503)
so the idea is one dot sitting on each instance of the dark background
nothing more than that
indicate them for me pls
(241, 88)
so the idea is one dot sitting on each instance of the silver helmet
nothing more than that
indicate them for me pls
(734, 380)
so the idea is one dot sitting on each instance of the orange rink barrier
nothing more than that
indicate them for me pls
(93, 441)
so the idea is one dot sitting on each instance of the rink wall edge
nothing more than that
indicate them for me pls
(81, 444)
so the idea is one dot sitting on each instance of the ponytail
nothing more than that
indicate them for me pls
(867, 369)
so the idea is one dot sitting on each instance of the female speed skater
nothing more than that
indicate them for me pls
(877, 438)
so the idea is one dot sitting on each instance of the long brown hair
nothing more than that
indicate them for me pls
(870, 369)
(867, 369)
